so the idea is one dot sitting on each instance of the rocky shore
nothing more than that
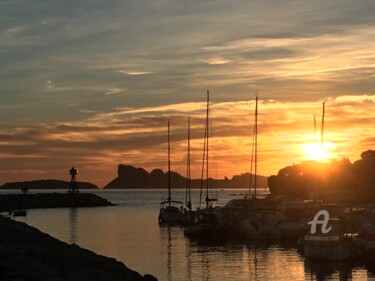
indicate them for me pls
(10, 202)
(28, 254)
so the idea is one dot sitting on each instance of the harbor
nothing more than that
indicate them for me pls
(187, 140)
(131, 233)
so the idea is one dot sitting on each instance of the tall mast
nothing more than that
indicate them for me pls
(205, 157)
(252, 155)
(203, 164)
(207, 147)
(188, 186)
(252, 162)
(322, 129)
(256, 146)
(169, 166)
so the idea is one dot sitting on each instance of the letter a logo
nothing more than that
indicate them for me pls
(323, 222)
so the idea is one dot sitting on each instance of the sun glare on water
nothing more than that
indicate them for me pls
(318, 151)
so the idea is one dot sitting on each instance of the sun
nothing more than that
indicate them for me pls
(318, 151)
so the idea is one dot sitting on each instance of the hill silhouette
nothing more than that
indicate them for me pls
(338, 180)
(131, 177)
(46, 184)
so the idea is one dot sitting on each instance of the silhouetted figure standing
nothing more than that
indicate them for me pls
(73, 188)
(25, 190)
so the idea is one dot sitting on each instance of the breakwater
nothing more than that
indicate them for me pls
(10, 202)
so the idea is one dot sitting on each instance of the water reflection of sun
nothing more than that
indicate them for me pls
(318, 151)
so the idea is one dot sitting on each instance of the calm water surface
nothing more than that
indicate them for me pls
(130, 233)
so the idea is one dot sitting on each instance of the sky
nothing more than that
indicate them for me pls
(93, 83)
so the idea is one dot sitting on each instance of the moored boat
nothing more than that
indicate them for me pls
(205, 224)
(188, 215)
(171, 211)
(298, 213)
(252, 217)
(205, 227)
(334, 245)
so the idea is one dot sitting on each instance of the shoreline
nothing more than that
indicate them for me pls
(26, 253)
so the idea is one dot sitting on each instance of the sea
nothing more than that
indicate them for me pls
(130, 233)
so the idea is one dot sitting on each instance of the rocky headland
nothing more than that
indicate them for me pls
(131, 177)
(10, 202)
(335, 181)
(46, 184)
(28, 254)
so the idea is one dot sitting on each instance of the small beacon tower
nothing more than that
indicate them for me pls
(73, 188)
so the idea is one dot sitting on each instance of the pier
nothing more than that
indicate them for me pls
(9, 202)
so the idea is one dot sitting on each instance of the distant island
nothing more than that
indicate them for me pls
(335, 181)
(131, 177)
(46, 184)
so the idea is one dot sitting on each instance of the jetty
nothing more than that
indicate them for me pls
(9, 202)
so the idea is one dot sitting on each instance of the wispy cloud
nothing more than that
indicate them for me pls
(94, 82)
(115, 91)
(216, 60)
(135, 72)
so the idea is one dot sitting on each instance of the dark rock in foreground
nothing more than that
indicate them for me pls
(28, 254)
(10, 202)
(46, 184)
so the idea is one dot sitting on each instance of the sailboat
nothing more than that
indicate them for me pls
(188, 179)
(205, 162)
(252, 217)
(206, 225)
(335, 244)
(170, 210)
(263, 214)
(189, 214)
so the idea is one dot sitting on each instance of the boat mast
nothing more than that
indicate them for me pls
(203, 159)
(321, 146)
(252, 160)
(169, 167)
(188, 182)
(205, 156)
(256, 147)
(322, 129)
(207, 147)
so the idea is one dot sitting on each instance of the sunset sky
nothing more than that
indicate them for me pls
(93, 83)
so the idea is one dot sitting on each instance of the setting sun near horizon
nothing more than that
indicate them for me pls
(318, 151)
